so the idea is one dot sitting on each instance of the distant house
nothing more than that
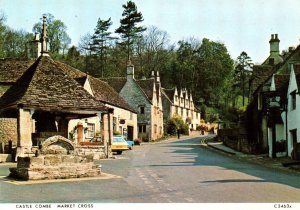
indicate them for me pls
(145, 97)
(180, 104)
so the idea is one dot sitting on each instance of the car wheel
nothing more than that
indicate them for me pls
(131, 147)
(119, 152)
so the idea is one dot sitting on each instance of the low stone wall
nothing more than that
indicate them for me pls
(97, 152)
(235, 138)
(55, 167)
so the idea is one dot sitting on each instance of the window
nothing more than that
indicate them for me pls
(187, 113)
(176, 98)
(90, 130)
(293, 100)
(160, 130)
(182, 100)
(294, 137)
(176, 110)
(142, 110)
(155, 128)
(181, 111)
(142, 128)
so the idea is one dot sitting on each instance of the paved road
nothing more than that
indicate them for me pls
(170, 171)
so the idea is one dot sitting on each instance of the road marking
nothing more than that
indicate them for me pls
(189, 199)
(103, 176)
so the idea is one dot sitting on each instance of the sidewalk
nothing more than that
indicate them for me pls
(283, 163)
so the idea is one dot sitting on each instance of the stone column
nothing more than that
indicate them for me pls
(24, 127)
(107, 131)
(63, 127)
(80, 132)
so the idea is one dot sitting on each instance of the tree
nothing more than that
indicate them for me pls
(100, 42)
(242, 73)
(58, 39)
(128, 29)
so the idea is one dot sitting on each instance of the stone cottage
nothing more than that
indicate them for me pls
(272, 88)
(145, 97)
(180, 104)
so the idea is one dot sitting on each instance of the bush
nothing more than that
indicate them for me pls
(176, 123)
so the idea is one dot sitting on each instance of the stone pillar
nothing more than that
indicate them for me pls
(24, 126)
(80, 132)
(63, 127)
(107, 131)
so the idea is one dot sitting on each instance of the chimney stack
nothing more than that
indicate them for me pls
(36, 46)
(44, 51)
(152, 75)
(157, 77)
(274, 45)
(130, 70)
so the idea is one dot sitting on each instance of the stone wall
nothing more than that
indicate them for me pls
(98, 152)
(55, 167)
(8, 130)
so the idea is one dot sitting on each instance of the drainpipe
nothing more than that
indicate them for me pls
(109, 132)
(286, 129)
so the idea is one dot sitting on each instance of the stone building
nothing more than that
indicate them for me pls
(272, 86)
(145, 97)
(180, 103)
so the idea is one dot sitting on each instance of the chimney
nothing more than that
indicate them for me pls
(44, 51)
(130, 70)
(274, 45)
(157, 77)
(36, 46)
(152, 75)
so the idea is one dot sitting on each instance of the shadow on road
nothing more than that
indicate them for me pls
(206, 157)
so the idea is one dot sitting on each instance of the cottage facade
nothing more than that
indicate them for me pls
(276, 125)
(145, 97)
(180, 103)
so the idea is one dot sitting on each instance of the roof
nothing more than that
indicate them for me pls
(282, 83)
(46, 86)
(169, 93)
(116, 83)
(13, 69)
(105, 93)
(147, 87)
(259, 75)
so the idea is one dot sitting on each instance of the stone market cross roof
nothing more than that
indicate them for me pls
(45, 85)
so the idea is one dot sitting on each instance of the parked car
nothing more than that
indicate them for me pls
(119, 144)
(129, 142)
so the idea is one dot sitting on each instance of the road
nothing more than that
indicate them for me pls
(177, 171)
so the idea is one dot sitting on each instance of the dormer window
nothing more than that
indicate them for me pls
(142, 110)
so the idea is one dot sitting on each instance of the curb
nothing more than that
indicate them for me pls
(211, 146)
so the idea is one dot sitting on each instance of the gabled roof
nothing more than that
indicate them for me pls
(281, 83)
(169, 93)
(147, 87)
(106, 94)
(259, 75)
(46, 86)
(13, 69)
(116, 82)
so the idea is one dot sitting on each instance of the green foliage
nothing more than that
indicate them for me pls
(128, 29)
(176, 123)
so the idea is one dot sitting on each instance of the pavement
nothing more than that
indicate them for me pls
(282, 163)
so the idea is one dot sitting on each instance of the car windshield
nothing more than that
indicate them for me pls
(118, 139)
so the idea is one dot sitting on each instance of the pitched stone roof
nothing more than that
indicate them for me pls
(46, 86)
(13, 69)
(169, 93)
(105, 93)
(147, 87)
(116, 82)
(259, 75)
(282, 83)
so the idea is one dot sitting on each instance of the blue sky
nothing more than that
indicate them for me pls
(242, 25)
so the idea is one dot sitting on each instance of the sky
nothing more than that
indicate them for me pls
(242, 25)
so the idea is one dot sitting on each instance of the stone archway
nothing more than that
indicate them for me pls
(57, 145)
